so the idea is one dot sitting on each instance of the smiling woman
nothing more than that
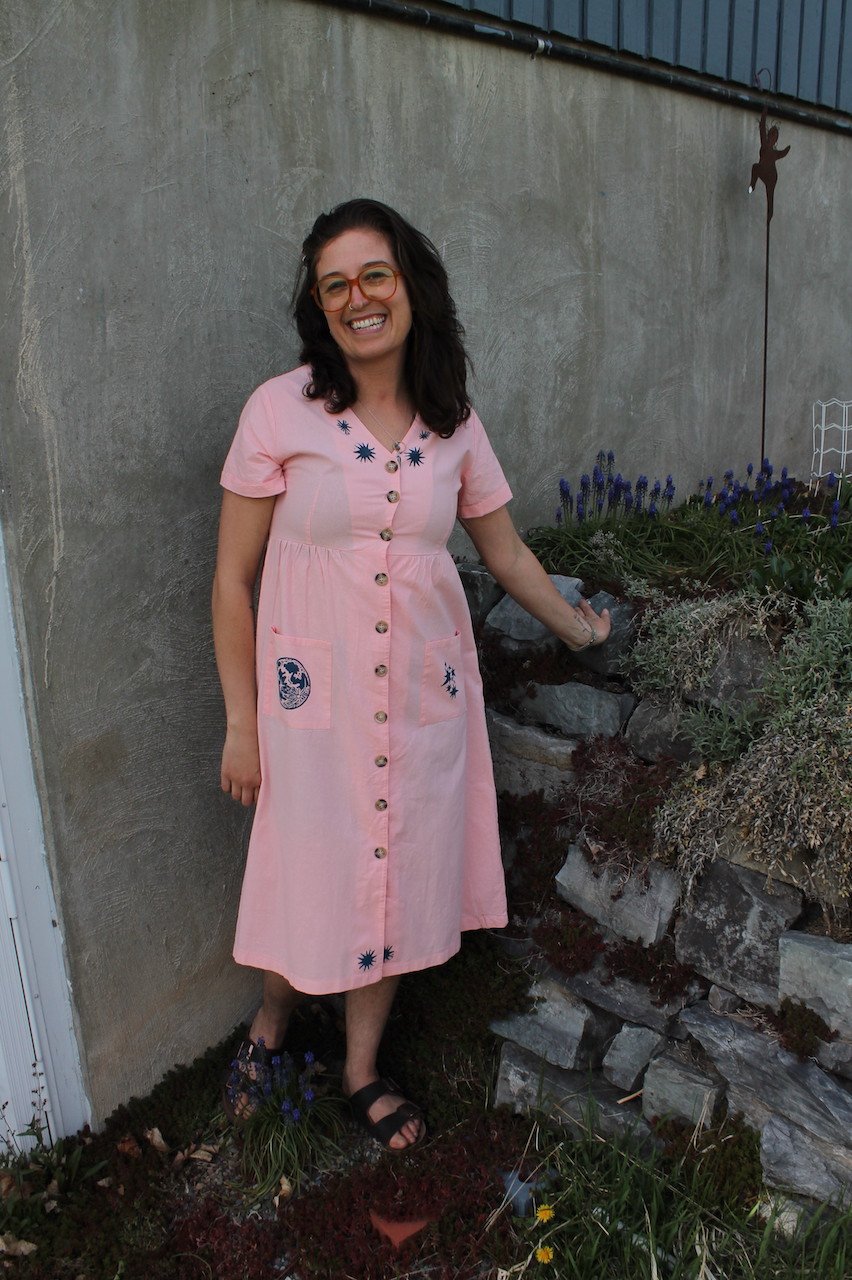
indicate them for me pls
(359, 683)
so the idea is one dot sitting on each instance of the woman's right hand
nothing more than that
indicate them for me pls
(241, 765)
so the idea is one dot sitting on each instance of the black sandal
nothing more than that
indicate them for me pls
(252, 1058)
(386, 1128)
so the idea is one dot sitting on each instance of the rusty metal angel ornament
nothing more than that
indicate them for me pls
(765, 169)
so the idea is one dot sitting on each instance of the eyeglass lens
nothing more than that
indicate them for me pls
(377, 282)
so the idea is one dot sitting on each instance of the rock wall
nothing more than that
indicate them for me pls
(713, 1049)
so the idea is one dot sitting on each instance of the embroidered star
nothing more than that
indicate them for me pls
(388, 954)
(364, 453)
(415, 457)
(424, 435)
(344, 426)
(366, 960)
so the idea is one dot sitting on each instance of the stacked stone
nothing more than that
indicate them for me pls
(591, 1038)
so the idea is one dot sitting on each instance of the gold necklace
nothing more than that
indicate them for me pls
(396, 445)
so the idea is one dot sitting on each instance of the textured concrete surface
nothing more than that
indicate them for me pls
(160, 164)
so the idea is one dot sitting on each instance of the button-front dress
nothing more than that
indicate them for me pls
(375, 839)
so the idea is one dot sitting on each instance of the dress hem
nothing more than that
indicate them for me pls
(309, 987)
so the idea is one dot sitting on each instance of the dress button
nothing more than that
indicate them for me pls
(386, 535)
(393, 496)
(381, 627)
(382, 579)
(381, 716)
(381, 669)
(380, 852)
(381, 761)
(381, 805)
(391, 466)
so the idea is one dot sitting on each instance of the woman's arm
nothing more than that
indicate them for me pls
(243, 530)
(518, 571)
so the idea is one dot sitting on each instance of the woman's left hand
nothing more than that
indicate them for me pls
(600, 623)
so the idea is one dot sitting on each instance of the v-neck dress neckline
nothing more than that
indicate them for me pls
(400, 442)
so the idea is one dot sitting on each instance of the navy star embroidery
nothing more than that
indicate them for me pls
(424, 435)
(449, 681)
(388, 954)
(366, 960)
(364, 453)
(415, 457)
(344, 426)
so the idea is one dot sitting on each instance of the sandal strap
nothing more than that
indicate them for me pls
(390, 1125)
(363, 1099)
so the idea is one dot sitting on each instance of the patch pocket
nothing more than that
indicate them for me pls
(442, 690)
(297, 681)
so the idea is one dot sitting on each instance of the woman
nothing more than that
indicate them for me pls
(355, 717)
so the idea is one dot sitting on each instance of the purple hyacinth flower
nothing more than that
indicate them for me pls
(734, 517)
(759, 529)
(309, 1058)
(767, 547)
(749, 469)
(806, 514)
(708, 499)
(831, 480)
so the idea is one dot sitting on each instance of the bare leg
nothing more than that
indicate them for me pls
(279, 1001)
(367, 1010)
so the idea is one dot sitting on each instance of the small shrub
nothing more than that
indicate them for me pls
(655, 966)
(569, 939)
(616, 796)
(799, 1028)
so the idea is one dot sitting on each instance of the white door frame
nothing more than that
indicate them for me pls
(38, 1036)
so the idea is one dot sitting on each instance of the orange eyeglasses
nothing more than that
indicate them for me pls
(377, 281)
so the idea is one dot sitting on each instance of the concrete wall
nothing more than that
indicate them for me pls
(161, 164)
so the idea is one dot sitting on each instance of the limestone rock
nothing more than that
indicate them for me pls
(836, 1056)
(571, 1098)
(652, 732)
(818, 973)
(738, 676)
(730, 932)
(607, 659)
(629, 1054)
(794, 1160)
(576, 710)
(482, 592)
(722, 1001)
(675, 1089)
(764, 1080)
(640, 907)
(518, 630)
(527, 758)
(628, 1000)
(561, 1028)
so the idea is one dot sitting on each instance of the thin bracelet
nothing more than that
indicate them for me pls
(589, 643)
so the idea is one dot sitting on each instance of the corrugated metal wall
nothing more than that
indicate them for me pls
(806, 45)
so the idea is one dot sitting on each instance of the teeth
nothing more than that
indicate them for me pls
(370, 322)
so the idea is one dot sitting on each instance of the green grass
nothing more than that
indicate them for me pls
(619, 1215)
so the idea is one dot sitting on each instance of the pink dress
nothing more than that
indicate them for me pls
(375, 837)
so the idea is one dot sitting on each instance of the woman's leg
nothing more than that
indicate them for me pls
(279, 1001)
(367, 1010)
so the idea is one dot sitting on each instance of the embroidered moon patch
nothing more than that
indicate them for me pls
(294, 683)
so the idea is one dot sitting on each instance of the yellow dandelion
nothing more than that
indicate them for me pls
(545, 1212)
(544, 1253)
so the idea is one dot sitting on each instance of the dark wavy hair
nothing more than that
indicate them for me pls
(435, 359)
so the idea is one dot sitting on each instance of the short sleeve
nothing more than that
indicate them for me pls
(483, 485)
(254, 466)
